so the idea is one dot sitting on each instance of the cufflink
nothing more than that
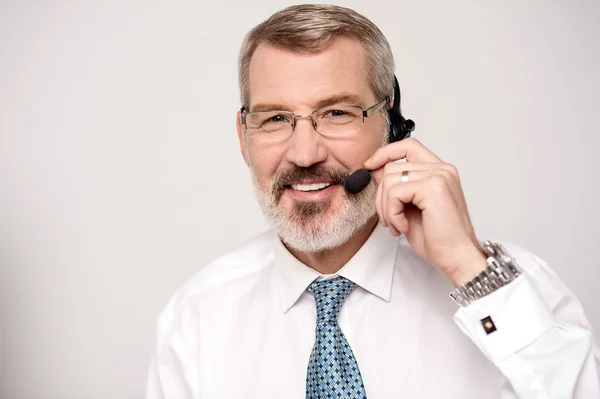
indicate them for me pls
(488, 325)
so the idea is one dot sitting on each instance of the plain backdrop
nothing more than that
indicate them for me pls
(120, 173)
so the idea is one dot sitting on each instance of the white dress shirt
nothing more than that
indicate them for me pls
(244, 327)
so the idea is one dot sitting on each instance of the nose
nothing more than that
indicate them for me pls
(306, 147)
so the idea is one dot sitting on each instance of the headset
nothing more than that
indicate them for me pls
(400, 128)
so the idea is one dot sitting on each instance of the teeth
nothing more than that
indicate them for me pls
(310, 187)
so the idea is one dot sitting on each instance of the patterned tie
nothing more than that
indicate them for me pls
(332, 368)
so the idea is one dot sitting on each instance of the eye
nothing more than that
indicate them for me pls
(276, 119)
(335, 112)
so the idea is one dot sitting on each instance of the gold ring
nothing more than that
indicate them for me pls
(404, 178)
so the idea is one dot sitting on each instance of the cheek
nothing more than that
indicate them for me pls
(352, 154)
(264, 161)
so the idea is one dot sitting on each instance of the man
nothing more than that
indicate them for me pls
(347, 297)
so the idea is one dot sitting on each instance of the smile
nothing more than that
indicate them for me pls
(310, 187)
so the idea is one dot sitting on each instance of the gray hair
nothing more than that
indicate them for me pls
(310, 28)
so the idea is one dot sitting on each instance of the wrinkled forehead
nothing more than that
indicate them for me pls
(299, 81)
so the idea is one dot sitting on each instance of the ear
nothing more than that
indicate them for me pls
(242, 140)
(391, 104)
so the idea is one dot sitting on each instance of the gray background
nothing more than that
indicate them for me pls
(120, 173)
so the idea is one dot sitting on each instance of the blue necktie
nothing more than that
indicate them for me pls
(332, 368)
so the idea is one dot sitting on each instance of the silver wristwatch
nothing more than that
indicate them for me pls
(501, 270)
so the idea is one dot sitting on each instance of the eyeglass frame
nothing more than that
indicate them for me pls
(365, 113)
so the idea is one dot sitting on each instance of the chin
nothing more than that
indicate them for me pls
(321, 231)
(317, 226)
(309, 212)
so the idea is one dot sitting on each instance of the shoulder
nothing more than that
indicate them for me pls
(243, 263)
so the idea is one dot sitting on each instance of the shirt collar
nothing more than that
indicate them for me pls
(371, 268)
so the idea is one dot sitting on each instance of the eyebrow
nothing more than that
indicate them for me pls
(344, 98)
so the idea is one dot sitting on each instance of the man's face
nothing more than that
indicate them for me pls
(299, 180)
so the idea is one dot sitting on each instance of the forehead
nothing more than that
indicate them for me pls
(299, 80)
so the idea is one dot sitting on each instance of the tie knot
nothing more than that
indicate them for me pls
(329, 297)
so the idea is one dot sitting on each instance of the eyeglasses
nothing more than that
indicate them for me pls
(334, 121)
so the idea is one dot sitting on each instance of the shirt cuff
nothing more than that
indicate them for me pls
(518, 316)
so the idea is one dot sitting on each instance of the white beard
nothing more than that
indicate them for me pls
(327, 229)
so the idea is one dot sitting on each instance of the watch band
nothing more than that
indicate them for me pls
(501, 269)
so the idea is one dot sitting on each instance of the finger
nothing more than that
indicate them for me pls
(399, 167)
(390, 180)
(422, 186)
(395, 213)
(378, 207)
(385, 184)
(400, 195)
(428, 186)
(440, 181)
(383, 203)
(446, 171)
(410, 149)
(395, 232)
(399, 222)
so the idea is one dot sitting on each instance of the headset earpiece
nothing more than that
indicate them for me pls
(400, 128)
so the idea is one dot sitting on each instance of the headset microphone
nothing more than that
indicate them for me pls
(357, 181)
(400, 129)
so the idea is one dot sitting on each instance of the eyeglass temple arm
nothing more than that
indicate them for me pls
(376, 107)
(243, 115)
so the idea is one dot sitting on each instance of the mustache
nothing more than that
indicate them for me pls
(285, 178)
